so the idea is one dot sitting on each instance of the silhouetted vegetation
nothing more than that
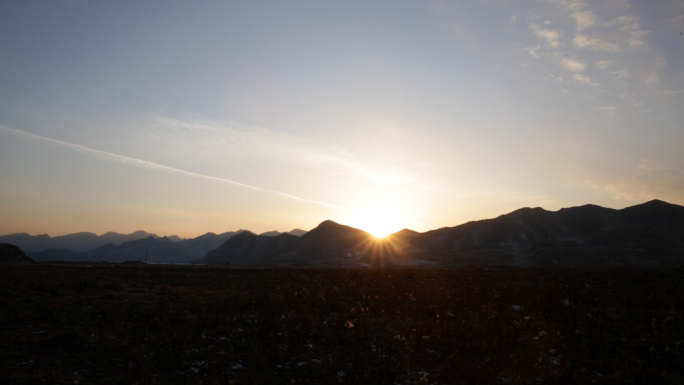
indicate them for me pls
(115, 324)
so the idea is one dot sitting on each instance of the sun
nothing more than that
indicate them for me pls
(378, 220)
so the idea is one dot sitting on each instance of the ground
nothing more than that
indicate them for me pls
(126, 324)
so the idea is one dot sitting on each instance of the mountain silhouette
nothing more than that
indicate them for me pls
(88, 246)
(77, 242)
(249, 248)
(295, 232)
(648, 234)
(199, 247)
(150, 249)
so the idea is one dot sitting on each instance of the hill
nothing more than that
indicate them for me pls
(12, 253)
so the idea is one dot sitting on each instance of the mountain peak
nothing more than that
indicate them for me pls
(657, 203)
(297, 232)
(328, 223)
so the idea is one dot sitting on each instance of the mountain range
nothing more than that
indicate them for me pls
(114, 247)
(650, 234)
(77, 242)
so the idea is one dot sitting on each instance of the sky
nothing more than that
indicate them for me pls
(183, 118)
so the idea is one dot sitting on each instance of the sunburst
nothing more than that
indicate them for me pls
(378, 220)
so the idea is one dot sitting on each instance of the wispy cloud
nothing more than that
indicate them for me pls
(619, 74)
(595, 44)
(610, 110)
(552, 36)
(651, 165)
(629, 24)
(135, 162)
(636, 38)
(651, 78)
(584, 19)
(673, 92)
(573, 65)
(532, 50)
(284, 146)
(603, 64)
(584, 80)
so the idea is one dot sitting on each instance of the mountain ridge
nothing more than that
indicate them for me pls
(651, 233)
(647, 234)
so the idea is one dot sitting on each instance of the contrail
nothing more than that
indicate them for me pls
(126, 160)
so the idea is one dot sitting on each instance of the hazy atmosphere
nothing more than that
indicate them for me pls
(188, 117)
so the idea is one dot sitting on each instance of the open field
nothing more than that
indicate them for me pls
(123, 324)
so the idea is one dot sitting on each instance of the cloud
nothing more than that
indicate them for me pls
(621, 20)
(532, 50)
(595, 44)
(645, 179)
(135, 162)
(610, 110)
(584, 80)
(603, 64)
(673, 92)
(558, 79)
(551, 36)
(651, 78)
(573, 65)
(649, 165)
(584, 19)
(284, 146)
(620, 74)
(630, 25)
(636, 38)
(629, 97)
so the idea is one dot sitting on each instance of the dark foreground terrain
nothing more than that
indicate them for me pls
(125, 324)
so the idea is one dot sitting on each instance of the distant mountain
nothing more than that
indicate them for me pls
(12, 253)
(65, 248)
(174, 250)
(175, 238)
(77, 242)
(248, 248)
(150, 249)
(271, 233)
(295, 232)
(650, 234)
(200, 246)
